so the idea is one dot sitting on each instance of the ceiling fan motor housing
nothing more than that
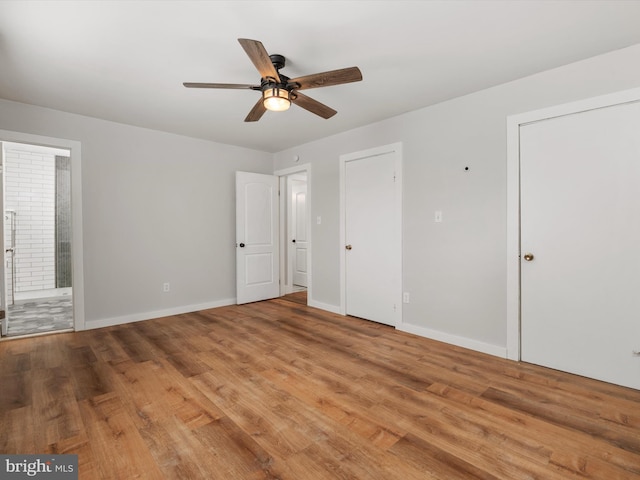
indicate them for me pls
(284, 84)
(278, 61)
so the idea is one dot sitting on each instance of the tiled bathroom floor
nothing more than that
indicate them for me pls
(38, 316)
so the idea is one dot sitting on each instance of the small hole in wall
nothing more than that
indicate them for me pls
(466, 169)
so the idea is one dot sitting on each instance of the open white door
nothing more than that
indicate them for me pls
(257, 248)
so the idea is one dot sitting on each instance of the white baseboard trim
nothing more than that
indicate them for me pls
(138, 317)
(456, 340)
(404, 327)
(324, 306)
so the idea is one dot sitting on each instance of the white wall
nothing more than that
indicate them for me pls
(454, 270)
(157, 208)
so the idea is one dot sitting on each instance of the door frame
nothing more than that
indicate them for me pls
(77, 254)
(287, 287)
(514, 122)
(394, 148)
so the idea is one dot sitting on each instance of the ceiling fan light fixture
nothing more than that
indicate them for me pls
(276, 99)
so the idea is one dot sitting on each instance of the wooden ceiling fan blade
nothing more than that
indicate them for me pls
(260, 58)
(221, 85)
(313, 106)
(327, 79)
(256, 112)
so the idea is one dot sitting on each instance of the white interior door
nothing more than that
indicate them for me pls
(299, 232)
(580, 211)
(257, 249)
(372, 264)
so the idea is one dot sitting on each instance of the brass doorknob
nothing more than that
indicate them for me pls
(348, 247)
(528, 257)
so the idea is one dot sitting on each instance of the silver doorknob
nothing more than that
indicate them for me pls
(528, 257)
(348, 247)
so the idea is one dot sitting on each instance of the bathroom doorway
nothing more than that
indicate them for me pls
(295, 232)
(37, 233)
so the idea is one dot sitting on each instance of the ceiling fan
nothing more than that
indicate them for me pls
(278, 90)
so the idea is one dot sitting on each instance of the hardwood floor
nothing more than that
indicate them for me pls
(297, 297)
(277, 390)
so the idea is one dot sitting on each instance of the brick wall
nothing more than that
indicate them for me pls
(29, 191)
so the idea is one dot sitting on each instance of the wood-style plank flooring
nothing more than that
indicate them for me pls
(278, 390)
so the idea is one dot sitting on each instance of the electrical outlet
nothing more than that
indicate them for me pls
(405, 297)
(166, 287)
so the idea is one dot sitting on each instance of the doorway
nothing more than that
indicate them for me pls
(578, 171)
(371, 234)
(37, 237)
(297, 226)
(295, 232)
(273, 238)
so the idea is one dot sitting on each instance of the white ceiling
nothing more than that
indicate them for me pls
(125, 61)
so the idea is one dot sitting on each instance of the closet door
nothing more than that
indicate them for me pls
(372, 238)
(580, 243)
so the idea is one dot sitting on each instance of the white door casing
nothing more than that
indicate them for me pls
(371, 234)
(299, 230)
(257, 248)
(597, 262)
(302, 171)
(77, 255)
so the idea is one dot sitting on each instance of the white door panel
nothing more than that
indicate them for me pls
(301, 265)
(372, 263)
(299, 229)
(580, 211)
(257, 264)
(258, 268)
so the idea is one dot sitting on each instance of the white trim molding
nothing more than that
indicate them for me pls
(288, 287)
(325, 306)
(138, 317)
(456, 340)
